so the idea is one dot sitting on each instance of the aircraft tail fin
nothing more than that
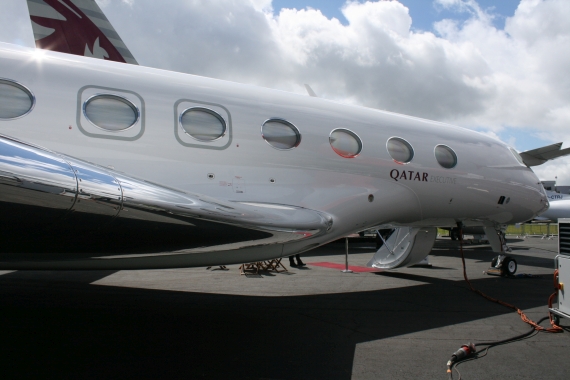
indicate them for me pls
(76, 27)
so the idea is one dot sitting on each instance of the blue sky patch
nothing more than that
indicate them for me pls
(424, 13)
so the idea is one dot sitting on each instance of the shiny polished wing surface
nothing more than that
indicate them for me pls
(75, 211)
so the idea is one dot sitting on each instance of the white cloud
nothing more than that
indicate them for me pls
(104, 3)
(262, 5)
(526, 70)
(469, 73)
(467, 6)
(550, 170)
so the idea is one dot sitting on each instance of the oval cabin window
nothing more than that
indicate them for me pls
(280, 134)
(345, 143)
(15, 100)
(203, 124)
(111, 112)
(400, 150)
(445, 156)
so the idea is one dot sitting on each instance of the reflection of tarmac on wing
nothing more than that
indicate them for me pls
(47, 180)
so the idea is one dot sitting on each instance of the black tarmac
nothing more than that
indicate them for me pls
(313, 323)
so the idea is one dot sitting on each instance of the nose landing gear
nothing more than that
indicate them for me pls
(503, 265)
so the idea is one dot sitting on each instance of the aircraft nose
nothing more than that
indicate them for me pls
(542, 204)
(544, 200)
(531, 199)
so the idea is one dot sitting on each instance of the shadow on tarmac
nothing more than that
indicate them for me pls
(57, 325)
(484, 254)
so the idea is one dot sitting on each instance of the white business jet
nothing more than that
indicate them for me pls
(97, 156)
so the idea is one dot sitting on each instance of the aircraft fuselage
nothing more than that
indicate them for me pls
(358, 193)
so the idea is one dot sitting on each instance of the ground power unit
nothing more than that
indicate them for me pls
(562, 264)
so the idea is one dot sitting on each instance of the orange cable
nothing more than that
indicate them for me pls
(555, 328)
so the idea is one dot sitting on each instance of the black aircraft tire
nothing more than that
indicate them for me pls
(509, 266)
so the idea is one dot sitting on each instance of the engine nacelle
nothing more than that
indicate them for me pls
(405, 247)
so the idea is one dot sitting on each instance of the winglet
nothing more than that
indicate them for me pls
(539, 156)
(76, 27)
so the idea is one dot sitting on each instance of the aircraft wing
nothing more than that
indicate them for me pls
(539, 156)
(76, 27)
(49, 191)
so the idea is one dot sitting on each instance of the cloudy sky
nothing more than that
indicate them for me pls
(500, 67)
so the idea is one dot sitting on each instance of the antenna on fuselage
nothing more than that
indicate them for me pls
(310, 91)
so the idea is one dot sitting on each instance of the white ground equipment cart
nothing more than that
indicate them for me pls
(562, 264)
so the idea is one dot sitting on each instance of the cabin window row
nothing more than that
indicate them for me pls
(114, 113)
(402, 152)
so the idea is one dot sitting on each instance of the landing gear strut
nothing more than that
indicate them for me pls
(455, 234)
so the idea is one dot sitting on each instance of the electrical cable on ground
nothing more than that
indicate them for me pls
(454, 362)
(468, 352)
(554, 328)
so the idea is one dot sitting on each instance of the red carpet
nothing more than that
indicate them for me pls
(353, 268)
